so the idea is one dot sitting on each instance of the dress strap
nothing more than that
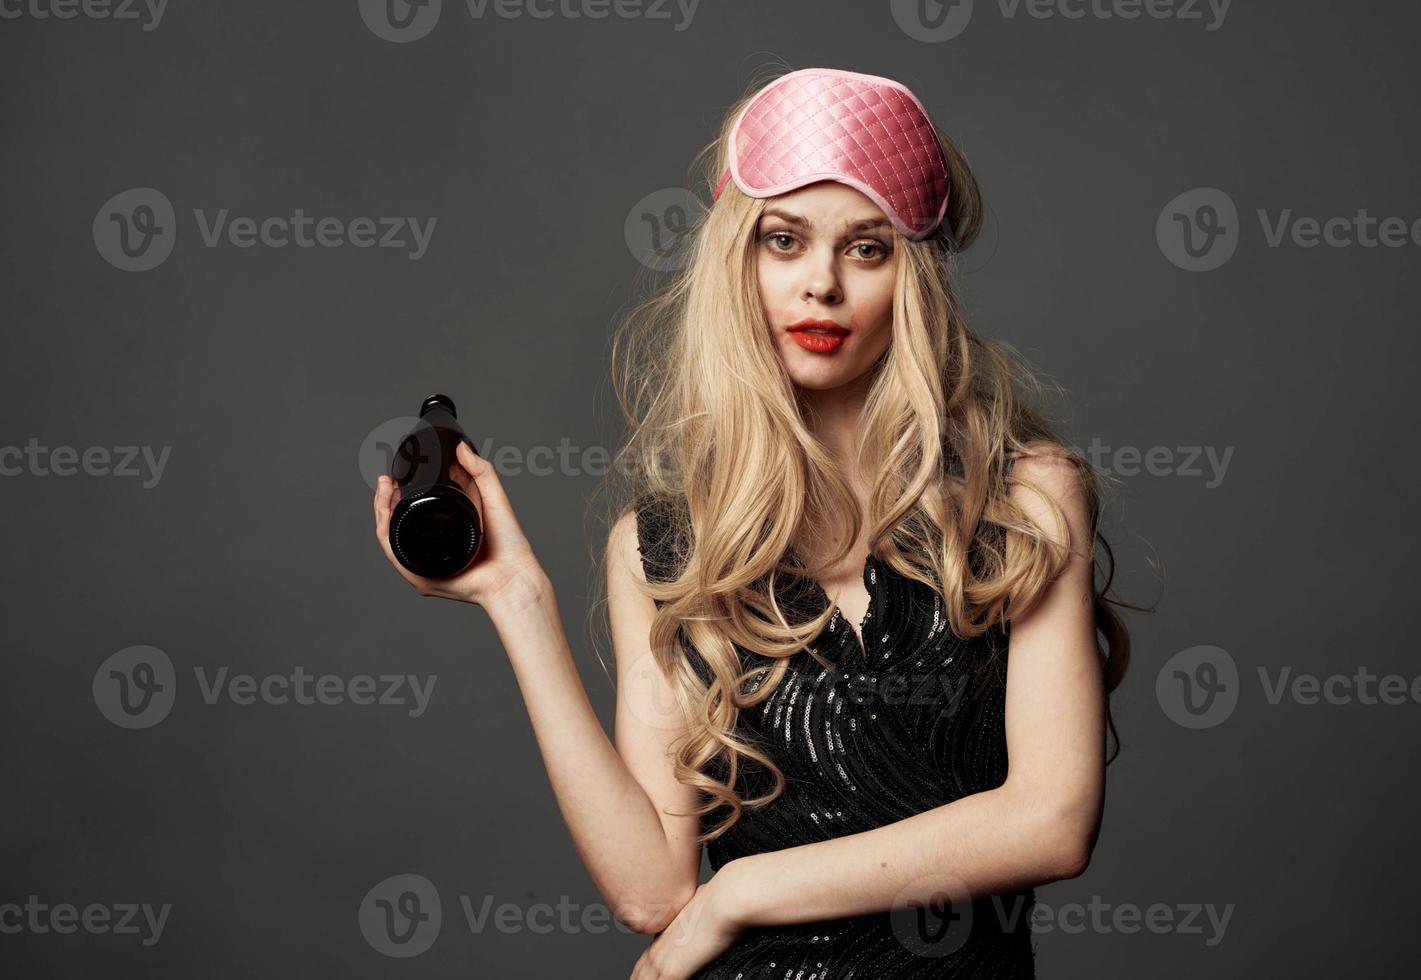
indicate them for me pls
(662, 536)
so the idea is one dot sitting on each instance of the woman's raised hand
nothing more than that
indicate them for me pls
(506, 569)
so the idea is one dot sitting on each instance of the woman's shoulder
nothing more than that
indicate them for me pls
(1041, 459)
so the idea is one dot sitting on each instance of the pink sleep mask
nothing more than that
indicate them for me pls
(865, 131)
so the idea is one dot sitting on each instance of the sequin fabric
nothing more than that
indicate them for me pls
(913, 719)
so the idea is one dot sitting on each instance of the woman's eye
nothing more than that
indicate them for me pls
(782, 242)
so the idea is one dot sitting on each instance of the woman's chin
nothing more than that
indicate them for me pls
(822, 373)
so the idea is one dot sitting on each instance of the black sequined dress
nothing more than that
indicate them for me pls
(914, 722)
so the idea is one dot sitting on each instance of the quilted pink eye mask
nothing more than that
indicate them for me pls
(865, 131)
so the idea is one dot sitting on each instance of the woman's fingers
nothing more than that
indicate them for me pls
(496, 507)
(387, 495)
(383, 506)
(490, 487)
(385, 499)
(462, 477)
(383, 487)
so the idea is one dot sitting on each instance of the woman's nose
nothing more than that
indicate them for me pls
(821, 281)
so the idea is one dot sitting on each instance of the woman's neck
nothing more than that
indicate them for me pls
(834, 415)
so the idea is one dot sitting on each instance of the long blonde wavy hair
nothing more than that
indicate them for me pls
(714, 422)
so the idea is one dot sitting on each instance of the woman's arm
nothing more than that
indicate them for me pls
(1039, 826)
(645, 864)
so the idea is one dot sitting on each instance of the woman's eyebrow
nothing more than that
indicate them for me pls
(863, 224)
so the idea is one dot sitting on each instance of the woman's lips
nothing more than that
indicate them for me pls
(817, 341)
(818, 336)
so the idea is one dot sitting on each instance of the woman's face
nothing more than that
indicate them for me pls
(825, 258)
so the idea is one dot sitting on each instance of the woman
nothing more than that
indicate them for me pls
(811, 417)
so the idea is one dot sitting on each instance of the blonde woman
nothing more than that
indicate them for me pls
(850, 576)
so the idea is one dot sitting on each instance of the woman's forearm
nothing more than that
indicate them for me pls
(613, 823)
(993, 843)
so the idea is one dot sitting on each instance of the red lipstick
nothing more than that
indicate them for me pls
(818, 336)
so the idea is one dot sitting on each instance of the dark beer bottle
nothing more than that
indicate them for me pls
(435, 530)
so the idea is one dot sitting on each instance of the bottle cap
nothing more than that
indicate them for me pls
(438, 401)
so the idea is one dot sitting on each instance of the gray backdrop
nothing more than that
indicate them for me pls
(189, 397)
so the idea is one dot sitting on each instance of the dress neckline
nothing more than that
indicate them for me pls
(870, 573)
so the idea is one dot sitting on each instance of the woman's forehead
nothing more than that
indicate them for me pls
(827, 205)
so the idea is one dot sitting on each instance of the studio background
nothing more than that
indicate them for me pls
(1250, 390)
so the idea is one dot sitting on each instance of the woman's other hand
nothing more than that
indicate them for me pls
(703, 929)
